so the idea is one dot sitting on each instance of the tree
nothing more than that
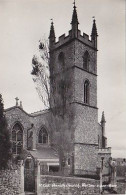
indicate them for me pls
(5, 144)
(41, 74)
(45, 86)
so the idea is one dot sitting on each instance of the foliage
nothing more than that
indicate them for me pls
(40, 72)
(48, 89)
(5, 144)
(46, 83)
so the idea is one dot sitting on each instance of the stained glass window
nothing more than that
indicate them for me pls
(17, 138)
(43, 136)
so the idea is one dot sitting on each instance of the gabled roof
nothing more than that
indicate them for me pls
(41, 153)
(44, 153)
(40, 112)
(31, 115)
(24, 154)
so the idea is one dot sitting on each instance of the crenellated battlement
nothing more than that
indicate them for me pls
(86, 36)
(63, 39)
(85, 39)
(74, 34)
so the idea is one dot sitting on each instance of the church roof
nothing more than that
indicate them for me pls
(39, 112)
(15, 107)
(41, 153)
(44, 153)
(31, 115)
(24, 154)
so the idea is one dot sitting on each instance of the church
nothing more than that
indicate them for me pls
(66, 139)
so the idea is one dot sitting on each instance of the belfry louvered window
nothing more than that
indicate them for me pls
(17, 139)
(61, 59)
(86, 60)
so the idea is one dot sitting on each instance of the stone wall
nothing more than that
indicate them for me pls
(121, 187)
(14, 115)
(80, 77)
(85, 159)
(80, 50)
(12, 181)
(86, 125)
(86, 138)
(106, 167)
(17, 115)
(67, 185)
(121, 171)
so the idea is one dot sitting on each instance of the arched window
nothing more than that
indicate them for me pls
(68, 161)
(61, 59)
(86, 92)
(17, 139)
(86, 59)
(43, 136)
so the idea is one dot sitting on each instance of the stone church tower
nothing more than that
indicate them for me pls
(73, 73)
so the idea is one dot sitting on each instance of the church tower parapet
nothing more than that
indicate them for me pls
(74, 33)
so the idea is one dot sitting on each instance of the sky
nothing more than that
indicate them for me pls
(24, 22)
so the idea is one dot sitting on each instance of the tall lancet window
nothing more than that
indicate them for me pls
(17, 139)
(86, 60)
(61, 59)
(86, 92)
(43, 136)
